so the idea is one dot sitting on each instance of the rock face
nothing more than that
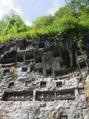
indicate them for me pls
(38, 97)
(37, 86)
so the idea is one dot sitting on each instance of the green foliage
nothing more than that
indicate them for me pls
(41, 22)
(69, 22)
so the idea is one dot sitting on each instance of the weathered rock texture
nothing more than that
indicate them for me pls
(35, 84)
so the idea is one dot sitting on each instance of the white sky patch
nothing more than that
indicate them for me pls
(7, 5)
(56, 5)
(31, 13)
(27, 22)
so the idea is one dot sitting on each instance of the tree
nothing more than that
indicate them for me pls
(41, 22)
(12, 23)
(77, 4)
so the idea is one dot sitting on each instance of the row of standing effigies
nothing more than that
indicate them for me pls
(55, 95)
(18, 96)
(39, 95)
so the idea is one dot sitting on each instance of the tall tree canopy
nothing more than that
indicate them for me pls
(69, 22)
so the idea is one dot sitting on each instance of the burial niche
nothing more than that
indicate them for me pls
(63, 117)
(82, 64)
(6, 71)
(42, 84)
(11, 85)
(81, 91)
(24, 69)
(65, 94)
(45, 96)
(18, 96)
(28, 83)
(59, 84)
(48, 72)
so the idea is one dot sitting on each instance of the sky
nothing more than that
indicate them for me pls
(29, 10)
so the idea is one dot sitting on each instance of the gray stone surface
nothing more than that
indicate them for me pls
(74, 109)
